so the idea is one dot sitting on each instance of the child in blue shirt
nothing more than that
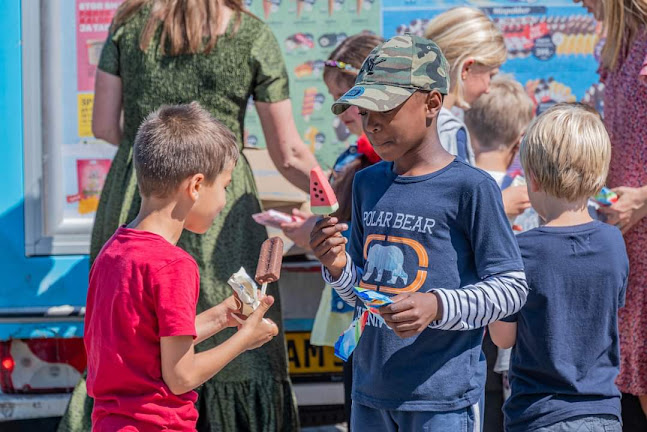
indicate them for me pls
(566, 356)
(430, 230)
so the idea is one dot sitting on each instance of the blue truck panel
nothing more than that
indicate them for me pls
(34, 281)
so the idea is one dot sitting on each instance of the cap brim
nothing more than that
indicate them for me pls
(378, 98)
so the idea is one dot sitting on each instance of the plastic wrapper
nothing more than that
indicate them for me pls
(245, 292)
(605, 197)
(348, 341)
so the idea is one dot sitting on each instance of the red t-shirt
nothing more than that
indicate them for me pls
(141, 289)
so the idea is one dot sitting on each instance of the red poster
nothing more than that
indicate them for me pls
(92, 24)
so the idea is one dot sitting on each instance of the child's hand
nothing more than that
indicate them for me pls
(257, 330)
(411, 313)
(299, 230)
(230, 309)
(329, 246)
(515, 200)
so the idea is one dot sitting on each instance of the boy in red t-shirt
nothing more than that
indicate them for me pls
(141, 326)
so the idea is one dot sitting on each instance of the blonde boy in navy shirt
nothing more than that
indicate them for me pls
(566, 357)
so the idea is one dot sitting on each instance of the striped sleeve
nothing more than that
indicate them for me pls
(349, 279)
(484, 302)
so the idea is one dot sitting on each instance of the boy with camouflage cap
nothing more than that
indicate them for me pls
(432, 232)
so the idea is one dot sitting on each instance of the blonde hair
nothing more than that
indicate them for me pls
(188, 26)
(178, 141)
(567, 150)
(465, 33)
(501, 116)
(623, 20)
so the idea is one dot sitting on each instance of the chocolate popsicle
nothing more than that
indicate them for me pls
(269, 262)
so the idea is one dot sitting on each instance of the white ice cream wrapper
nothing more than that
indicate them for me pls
(246, 290)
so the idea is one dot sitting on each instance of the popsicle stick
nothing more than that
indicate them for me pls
(263, 289)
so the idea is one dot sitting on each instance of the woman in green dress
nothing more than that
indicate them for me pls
(214, 52)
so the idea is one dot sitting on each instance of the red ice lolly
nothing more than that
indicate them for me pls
(322, 199)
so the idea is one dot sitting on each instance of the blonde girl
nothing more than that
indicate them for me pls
(475, 49)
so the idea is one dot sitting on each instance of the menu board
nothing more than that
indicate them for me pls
(308, 31)
(552, 44)
(86, 160)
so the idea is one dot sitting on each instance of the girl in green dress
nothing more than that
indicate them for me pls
(214, 52)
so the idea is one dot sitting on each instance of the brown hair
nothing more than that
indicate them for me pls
(178, 141)
(623, 20)
(567, 150)
(185, 23)
(501, 116)
(352, 51)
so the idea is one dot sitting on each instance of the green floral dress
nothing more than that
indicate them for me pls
(253, 393)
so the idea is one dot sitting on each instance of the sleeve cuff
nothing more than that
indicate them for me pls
(444, 301)
(346, 277)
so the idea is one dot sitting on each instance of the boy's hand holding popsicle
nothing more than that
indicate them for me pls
(326, 241)
(329, 246)
(410, 313)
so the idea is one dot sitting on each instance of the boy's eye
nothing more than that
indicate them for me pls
(362, 113)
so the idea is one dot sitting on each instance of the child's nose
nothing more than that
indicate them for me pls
(372, 122)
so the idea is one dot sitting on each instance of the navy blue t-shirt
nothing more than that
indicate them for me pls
(446, 229)
(567, 357)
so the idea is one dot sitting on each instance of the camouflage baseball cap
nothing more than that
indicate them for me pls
(394, 71)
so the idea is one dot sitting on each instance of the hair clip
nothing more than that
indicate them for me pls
(341, 65)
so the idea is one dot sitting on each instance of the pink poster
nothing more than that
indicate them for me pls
(91, 175)
(92, 24)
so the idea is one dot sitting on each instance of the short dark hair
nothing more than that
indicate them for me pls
(178, 141)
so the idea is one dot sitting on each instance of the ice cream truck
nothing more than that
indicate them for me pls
(52, 172)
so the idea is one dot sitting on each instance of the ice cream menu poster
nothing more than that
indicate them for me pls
(552, 44)
(308, 31)
(86, 160)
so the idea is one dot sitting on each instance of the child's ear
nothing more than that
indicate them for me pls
(196, 182)
(516, 146)
(434, 104)
(467, 65)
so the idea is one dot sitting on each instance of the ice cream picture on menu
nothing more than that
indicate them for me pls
(322, 198)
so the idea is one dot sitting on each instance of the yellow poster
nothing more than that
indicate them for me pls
(85, 102)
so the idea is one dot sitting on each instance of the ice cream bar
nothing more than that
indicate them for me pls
(267, 8)
(331, 6)
(269, 262)
(322, 198)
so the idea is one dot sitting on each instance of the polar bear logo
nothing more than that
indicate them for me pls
(389, 258)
